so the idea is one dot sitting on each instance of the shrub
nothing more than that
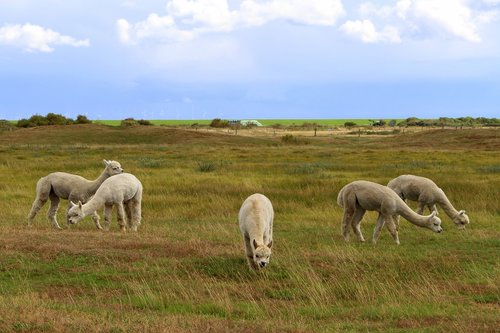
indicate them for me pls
(292, 140)
(49, 119)
(219, 123)
(349, 124)
(144, 122)
(57, 119)
(206, 166)
(81, 119)
(128, 122)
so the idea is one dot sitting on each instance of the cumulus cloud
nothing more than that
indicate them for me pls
(188, 19)
(366, 31)
(454, 16)
(36, 38)
(459, 18)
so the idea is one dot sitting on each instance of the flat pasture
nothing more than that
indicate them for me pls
(185, 271)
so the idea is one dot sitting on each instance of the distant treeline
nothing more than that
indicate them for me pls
(57, 119)
(453, 122)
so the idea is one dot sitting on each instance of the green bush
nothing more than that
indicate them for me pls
(128, 122)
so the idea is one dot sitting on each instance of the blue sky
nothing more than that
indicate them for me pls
(202, 59)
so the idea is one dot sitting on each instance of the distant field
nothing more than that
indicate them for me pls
(185, 270)
(265, 122)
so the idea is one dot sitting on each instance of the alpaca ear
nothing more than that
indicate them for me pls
(106, 163)
(433, 214)
(254, 244)
(270, 245)
(80, 204)
(72, 204)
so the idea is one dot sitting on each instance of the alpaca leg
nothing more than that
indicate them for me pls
(346, 219)
(378, 227)
(135, 212)
(54, 205)
(356, 223)
(396, 219)
(120, 212)
(35, 208)
(108, 209)
(391, 225)
(128, 214)
(249, 253)
(433, 208)
(42, 195)
(95, 218)
(421, 207)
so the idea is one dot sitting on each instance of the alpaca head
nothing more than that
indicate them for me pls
(112, 167)
(461, 220)
(434, 223)
(75, 213)
(262, 254)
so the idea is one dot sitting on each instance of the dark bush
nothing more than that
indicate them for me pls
(81, 119)
(219, 123)
(144, 122)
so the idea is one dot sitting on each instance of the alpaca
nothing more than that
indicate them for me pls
(61, 185)
(256, 225)
(427, 193)
(124, 191)
(359, 196)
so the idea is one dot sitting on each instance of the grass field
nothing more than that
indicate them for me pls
(185, 271)
(265, 122)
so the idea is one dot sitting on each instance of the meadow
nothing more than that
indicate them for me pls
(185, 271)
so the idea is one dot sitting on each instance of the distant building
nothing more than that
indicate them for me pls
(245, 122)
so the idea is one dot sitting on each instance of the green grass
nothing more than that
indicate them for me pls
(185, 271)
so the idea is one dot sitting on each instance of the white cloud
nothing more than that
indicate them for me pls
(454, 16)
(187, 19)
(430, 17)
(36, 38)
(366, 31)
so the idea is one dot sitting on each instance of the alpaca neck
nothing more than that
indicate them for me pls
(444, 203)
(94, 204)
(94, 185)
(412, 217)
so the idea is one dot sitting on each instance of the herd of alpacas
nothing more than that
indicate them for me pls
(123, 190)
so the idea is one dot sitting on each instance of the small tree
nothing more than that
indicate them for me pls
(349, 124)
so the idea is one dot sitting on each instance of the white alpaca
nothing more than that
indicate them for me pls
(427, 193)
(61, 185)
(124, 191)
(256, 224)
(359, 196)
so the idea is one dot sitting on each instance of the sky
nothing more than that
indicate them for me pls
(250, 59)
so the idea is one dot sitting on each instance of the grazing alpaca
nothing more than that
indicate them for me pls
(256, 225)
(124, 191)
(427, 193)
(61, 185)
(359, 196)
